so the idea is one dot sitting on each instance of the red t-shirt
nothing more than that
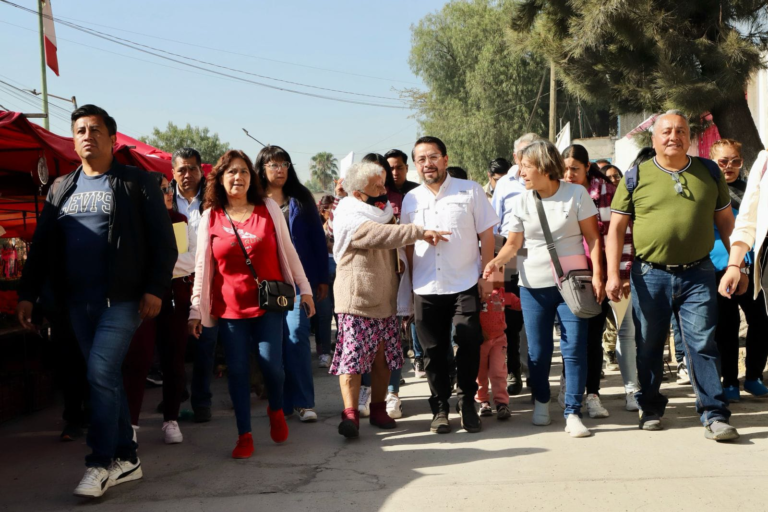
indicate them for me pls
(234, 292)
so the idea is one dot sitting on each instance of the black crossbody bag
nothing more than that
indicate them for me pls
(277, 296)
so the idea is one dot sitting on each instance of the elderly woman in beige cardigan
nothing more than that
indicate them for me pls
(365, 249)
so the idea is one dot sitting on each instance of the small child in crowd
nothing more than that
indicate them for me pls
(493, 351)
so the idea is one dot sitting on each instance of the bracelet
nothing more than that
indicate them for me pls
(736, 266)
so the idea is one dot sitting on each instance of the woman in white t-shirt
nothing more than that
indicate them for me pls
(571, 215)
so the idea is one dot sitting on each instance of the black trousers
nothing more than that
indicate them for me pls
(434, 317)
(515, 325)
(727, 334)
(595, 349)
(70, 369)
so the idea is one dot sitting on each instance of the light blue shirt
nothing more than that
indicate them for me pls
(190, 209)
(506, 189)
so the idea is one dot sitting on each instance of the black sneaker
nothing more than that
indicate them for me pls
(514, 384)
(470, 421)
(155, 378)
(503, 412)
(202, 414)
(440, 424)
(418, 367)
(71, 433)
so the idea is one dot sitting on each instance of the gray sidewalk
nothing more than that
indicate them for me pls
(511, 465)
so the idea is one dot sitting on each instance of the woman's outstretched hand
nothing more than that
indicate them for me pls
(434, 237)
(491, 267)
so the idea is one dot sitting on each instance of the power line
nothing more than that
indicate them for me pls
(152, 51)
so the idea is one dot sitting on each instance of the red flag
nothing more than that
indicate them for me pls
(50, 38)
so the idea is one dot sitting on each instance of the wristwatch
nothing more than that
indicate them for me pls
(744, 270)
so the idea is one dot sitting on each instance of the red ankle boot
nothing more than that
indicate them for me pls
(350, 423)
(379, 417)
(278, 427)
(244, 447)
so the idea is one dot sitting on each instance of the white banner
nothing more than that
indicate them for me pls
(345, 164)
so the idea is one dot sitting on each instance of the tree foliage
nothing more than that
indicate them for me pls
(323, 168)
(314, 186)
(481, 94)
(174, 137)
(653, 55)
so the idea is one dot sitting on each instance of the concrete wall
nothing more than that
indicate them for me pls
(598, 147)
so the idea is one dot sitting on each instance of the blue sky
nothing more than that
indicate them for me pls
(142, 91)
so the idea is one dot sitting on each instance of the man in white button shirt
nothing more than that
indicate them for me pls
(446, 278)
(507, 188)
(188, 195)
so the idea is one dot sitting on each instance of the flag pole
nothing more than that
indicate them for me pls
(46, 122)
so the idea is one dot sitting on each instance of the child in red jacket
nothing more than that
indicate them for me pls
(493, 363)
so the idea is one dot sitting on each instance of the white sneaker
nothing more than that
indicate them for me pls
(561, 393)
(364, 402)
(135, 433)
(121, 471)
(631, 402)
(172, 432)
(325, 361)
(94, 484)
(575, 427)
(682, 374)
(595, 407)
(306, 415)
(541, 414)
(394, 406)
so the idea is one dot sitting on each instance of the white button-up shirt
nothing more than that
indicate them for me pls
(462, 208)
(189, 208)
(507, 188)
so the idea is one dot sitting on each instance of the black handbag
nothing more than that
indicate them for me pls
(276, 296)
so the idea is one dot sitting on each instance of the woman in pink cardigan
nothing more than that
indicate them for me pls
(226, 293)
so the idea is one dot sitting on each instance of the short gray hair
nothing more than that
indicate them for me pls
(546, 158)
(527, 139)
(671, 112)
(359, 174)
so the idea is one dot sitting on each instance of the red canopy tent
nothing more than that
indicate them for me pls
(24, 145)
(151, 151)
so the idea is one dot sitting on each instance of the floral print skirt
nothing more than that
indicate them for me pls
(358, 342)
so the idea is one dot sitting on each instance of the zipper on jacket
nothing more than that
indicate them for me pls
(108, 304)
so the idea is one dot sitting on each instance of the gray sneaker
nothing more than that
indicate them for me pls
(650, 421)
(720, 431)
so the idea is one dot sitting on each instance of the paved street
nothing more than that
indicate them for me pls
(509, 466)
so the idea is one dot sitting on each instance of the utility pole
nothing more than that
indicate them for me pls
(552, 103)
(46, 122)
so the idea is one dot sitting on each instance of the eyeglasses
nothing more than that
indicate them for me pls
(433, 159)
(678, 185)
(724, 163)
(275, 167)
(614, 178)
(166, 190)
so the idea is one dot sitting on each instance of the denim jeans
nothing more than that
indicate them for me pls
(325, 314)
(299, 389)
(104, 334)
(626, 352)
(417, 350)
(264, 336)
(202, 369)
(540, 307)
(691, 297)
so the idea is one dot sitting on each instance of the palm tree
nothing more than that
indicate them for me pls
(324, 168)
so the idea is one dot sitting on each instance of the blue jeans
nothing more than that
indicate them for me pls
(203, 368)
(417, 350)
(299, 389)
(691, 297)
(679, 350)
(264, 336)
(540, 307)
(325, 315)
(104, 334)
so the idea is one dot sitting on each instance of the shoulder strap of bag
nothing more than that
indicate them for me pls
(242, 247)
(548, 236)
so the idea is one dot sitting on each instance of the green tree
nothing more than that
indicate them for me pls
(324, 168)
(174, 137)
(654, 55)
(314, 186)
(481, 94)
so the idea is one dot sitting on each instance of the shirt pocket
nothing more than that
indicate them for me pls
(456, 211)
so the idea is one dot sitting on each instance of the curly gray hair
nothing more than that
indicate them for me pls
(359, 174)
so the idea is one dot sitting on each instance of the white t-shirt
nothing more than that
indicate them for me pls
(569, 205)
(461, 207)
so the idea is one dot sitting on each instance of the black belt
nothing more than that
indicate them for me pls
(676, 268)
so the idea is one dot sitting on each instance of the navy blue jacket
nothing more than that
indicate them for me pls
(309, 239)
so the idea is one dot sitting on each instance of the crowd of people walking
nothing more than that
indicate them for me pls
(124, 262)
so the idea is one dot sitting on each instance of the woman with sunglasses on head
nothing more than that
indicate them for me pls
(727, 154)
(275, 169)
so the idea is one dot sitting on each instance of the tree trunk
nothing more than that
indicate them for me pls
(734, 121)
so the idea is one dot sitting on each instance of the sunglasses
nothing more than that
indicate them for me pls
(724, 163)
(166, 190)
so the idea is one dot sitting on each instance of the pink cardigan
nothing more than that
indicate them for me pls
(293, 272)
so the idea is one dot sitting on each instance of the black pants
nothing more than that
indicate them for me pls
(71, 369)
(595, 349)
(514, 321)
(434, 315)
(727, 334)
